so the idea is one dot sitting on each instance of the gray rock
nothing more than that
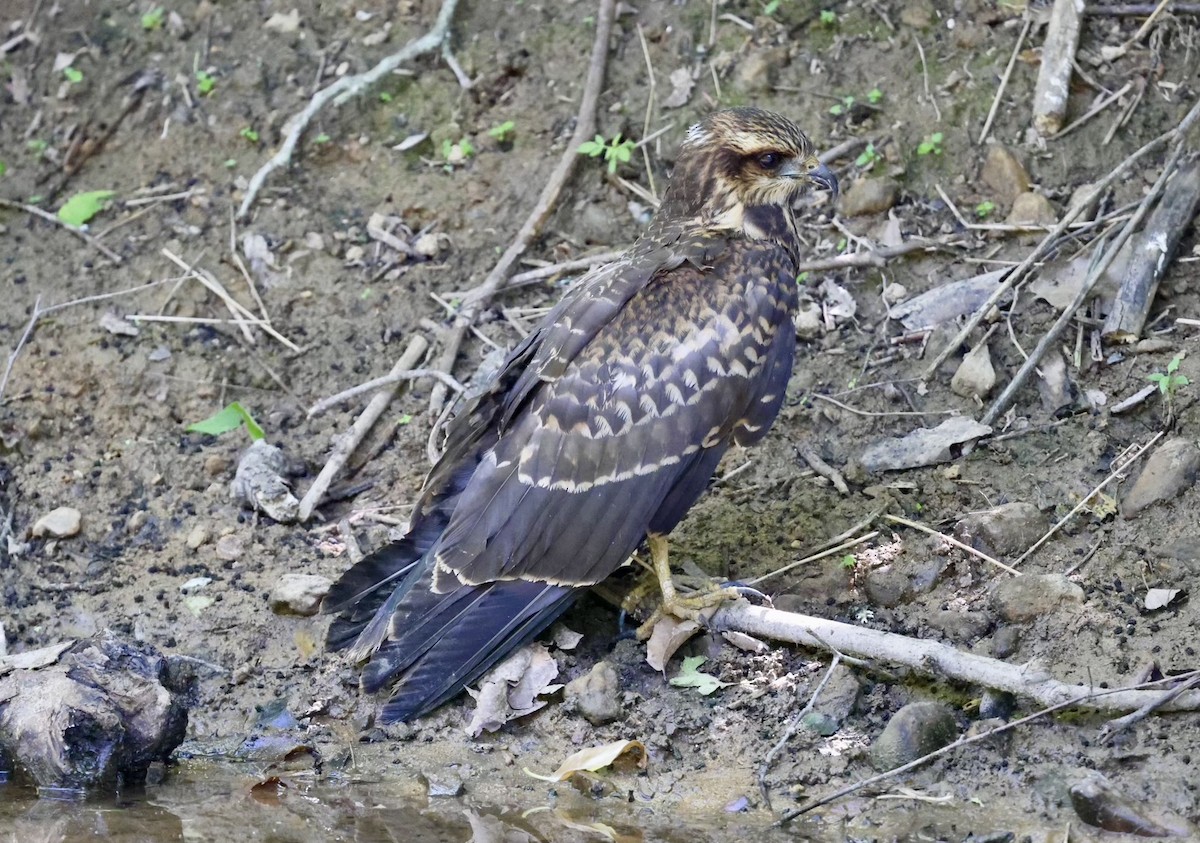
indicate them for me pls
(197, 536)
(229, 547)
(259, 482)
(299, 594)
(962, 627)
(756, 71)
(976, 375)
(1099, 803)
(1170, 470)
(443, 786)
(915, 730)
(837, 700)
(1030, 596)
(887, 587)
(1005, 530)
(1004, 173)
(596, 694)
(870, 196)
(58, 523)
(1006, 641)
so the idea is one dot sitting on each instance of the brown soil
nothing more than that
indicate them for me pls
(96, 421)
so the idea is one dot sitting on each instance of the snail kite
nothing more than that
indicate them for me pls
(602, 427)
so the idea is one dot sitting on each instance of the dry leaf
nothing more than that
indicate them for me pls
(594, 758)
(1157, 598)
(564, 638)
(681, 88)
(668, 636)
(924, 446)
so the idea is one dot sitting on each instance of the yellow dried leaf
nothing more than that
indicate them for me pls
(594, 758)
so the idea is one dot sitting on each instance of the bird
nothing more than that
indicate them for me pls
(600, 430)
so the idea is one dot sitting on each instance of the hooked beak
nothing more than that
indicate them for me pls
(822, 176)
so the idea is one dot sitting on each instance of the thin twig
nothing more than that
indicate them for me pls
(978, 554)
(814, 557)
(765, 767)
(585, 128)
(33, 210)
(346, 443)
(12, 357)
(378, 383)
(1120, 724)
(1086, 500)
(340, 92)
(1012, 60)
(877, 257)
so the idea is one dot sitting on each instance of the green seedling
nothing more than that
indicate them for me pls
(932, 145)
(384, 96)
(81, 207)
(205, 83)
(153, 19)
(249, 134)
(322, 138)
(1170, 381)
(3, 169)
(984, 209)
(874, 96)
(74, 76)
(503, 132)
(456, 153)
(614, 152)
(691, 677)
(231, 418)
(848, 561)
(843, 107)
(37, 146)
(868, 156)
(828, 17)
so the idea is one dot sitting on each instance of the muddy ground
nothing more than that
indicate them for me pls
(95, 420)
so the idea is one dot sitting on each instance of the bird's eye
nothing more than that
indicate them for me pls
(769, 160)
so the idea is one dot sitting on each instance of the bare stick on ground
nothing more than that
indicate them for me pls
(1058, 60)
(1152, 253)
(1012, 60)
(346, 443)
(395, 376)
(49, 217)
(791, 730)
(12, 357)
(932, 658)
(340, 92)
(585, 128)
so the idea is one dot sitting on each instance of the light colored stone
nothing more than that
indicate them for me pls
(596, 694)
(870, 196)
(1004, 174)
(229, 548)
(915, 730)
(975, 376)
(299, 594)
(1005, 530)
(1030, 596)
(60, 523)
(1031, 209)
(197, 536)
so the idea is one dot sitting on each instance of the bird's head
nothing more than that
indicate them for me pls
(740, 159)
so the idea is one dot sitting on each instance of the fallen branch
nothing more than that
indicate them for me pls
(1058, 62)
(341, 92)
(12, 357)
(346, 443)
(1152, 253)
(877, 257)
(585, 128)
(1029, 681)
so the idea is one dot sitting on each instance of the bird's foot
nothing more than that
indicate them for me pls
(690, 607)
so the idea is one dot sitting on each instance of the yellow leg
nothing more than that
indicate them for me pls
(686, 608)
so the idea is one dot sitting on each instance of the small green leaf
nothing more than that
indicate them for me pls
(874, 96)
(249, 134)
(848, 561)
(690, 677)
(3, 169)
(837, 110)
(153, 19)
(1160, 379)
(502, 132)
(405, 419)
(828, 17)
(771, 8)
(73, 76)
(985, 208)
(205, 83)
(321, 138)
(1173, 366)
(384, 96)
(83, 206)
(231, 418)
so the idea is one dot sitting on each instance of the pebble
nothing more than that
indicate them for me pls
(1006, 641)
(807, 320)
(756, 71)
(961, 627)
(870, 196)
(837, 700)
(197, 536)
(887, 587)
(1004, 173)
(976, 375)
(1031, 209)
(299, 594)
(1030, 596)
(596, 694)
(1170, 470)
(1101, 805)
(59, 523)
(215, 465)
(229, 548)
(915, 730)
(918, 15)
(443, 786)
(1005, 530)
